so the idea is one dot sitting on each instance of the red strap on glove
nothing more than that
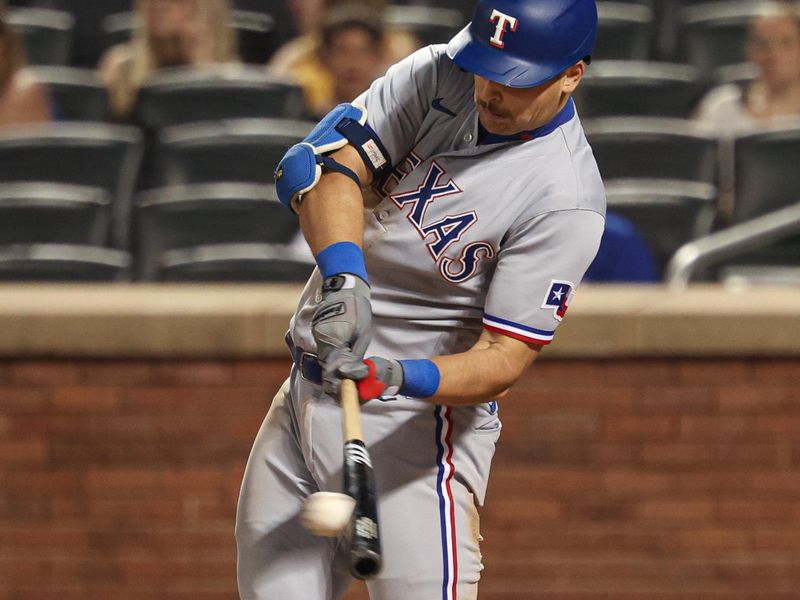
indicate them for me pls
(370, 387)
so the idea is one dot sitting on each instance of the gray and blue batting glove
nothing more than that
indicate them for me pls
(342, 323)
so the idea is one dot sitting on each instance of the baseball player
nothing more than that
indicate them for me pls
(452, 209)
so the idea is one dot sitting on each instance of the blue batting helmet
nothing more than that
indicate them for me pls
(524, 43)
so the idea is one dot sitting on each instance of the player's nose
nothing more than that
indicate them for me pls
(487, 91)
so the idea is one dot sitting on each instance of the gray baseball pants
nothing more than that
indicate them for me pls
(431, 467)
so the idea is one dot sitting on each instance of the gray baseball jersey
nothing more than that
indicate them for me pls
(469, 234)
(471, 231)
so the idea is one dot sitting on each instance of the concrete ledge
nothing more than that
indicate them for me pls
(145, 321)
(703, 321)
(249, 321)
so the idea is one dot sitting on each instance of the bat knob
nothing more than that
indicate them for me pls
(365, 563)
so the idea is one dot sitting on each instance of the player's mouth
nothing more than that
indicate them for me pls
(491, 117)
(487, 109)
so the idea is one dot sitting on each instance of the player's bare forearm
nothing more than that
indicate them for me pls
(484, 372)
(334, 210)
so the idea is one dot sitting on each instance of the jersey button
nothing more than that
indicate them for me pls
(468, 137)
(383, 215)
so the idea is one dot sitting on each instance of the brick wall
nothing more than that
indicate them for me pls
(638, 479)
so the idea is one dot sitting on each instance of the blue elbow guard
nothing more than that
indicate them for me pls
(301, 167)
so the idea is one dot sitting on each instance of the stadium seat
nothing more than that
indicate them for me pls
(52, 4)
(465, 8)
(625, 31)
(714, 34)
(639, 88)
(667, 213)
(47, 34)
(184, 217)
(279, 10)
(87, 43)
(429, 25)
(243, 150)
(182, 96)
(62, 263)
(740, 74)
(240, 263)
(775, 264)
(766, 173)
(258, 31)
(635, 147)
(46, 213)
(78, 94)
(258, 36)
(91, 154)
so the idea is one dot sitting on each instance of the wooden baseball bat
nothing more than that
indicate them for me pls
(359, 483)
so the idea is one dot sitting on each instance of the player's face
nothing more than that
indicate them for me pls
(774, 47)
(505, 110)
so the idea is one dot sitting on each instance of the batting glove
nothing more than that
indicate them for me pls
(340, 327)
(343, 317)
(342, 364)
(376, 378)
(383, 379)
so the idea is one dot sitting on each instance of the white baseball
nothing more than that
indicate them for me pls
(327, 514)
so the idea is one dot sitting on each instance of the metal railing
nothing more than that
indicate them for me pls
(752, 235)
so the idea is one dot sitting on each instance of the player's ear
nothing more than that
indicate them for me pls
(572, 77)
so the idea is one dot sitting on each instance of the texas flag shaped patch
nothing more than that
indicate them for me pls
(558, 297)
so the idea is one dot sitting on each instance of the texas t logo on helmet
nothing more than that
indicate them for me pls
(505, 23)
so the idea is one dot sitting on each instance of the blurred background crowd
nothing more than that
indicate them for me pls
(138, 137)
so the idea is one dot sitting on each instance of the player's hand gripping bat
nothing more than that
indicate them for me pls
(359, 483)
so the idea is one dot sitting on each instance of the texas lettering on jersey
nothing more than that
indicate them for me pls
(444, 232)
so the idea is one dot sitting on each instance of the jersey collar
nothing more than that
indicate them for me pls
(565, 115)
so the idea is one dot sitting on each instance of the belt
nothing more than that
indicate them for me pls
(307, 363)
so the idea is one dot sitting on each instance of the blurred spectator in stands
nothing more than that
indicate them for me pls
(344, 49)
(23, 100)
(774, 49)
(307, 14)
(349, 59)
(169, 33)
(350, 49)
